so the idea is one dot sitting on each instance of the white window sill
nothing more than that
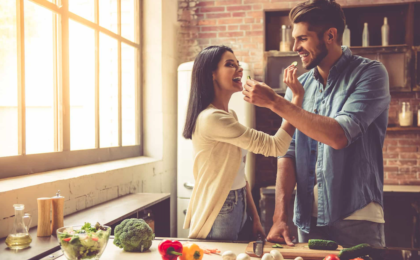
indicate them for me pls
(20, 182)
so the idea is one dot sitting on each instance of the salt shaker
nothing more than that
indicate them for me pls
(57, 213)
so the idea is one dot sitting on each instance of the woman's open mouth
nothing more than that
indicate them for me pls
(237, 80)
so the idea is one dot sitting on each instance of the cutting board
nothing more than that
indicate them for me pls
(292, 252)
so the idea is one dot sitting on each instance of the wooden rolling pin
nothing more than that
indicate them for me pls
(57, 213)
(44, 226)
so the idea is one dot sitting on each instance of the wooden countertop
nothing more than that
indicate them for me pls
(387, 189)
(106, 213)
(112, 252)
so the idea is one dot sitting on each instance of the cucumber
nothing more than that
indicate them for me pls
(356, 251)
(321, 244)
(294, 63)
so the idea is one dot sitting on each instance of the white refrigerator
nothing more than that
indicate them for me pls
(246, 116)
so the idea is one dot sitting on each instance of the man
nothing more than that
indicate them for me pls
(336, 154)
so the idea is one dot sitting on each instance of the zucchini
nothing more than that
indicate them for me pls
(356, 251)
(321, 244)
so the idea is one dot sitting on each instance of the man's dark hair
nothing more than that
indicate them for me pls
(320, 16)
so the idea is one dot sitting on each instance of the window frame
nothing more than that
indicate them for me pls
(63, 157)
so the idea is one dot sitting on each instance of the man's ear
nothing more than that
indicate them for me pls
(331, 35)
(213, 75)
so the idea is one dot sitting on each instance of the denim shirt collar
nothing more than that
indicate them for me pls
(339, 66)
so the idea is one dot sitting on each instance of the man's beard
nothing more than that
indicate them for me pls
(323, 52)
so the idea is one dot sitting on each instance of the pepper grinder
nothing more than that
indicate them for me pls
(44, 226)
(57, 213)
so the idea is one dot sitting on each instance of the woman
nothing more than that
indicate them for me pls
(221, 199)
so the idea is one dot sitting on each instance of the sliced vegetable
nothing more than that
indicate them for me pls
(277, 246)
(249, 77)
(67, 239)
(320, 244)
(95, 239)
(356, 251)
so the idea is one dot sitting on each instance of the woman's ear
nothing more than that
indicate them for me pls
(214, 75)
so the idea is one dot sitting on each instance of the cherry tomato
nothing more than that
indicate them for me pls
(331, 257)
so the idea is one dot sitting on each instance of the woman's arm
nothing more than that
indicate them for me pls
(252, 211)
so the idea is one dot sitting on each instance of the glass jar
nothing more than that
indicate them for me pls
(405, 115)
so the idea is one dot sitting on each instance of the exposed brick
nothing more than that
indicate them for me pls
(207, 35)
(284, 5)
(230, 21)
(250, 46)
(218, 15)
(391, 169)
(257, 7)
(205, 3)
(255, 14)
(254, 33)
(212, 9)
(249, 20)
(400, 176)
(239, 8)
(410, 155)
(409, 142)
(257, 27)
(409, 149)
(390, 155)
(256, 1)
(239, 14)
(233, 27)
(402, 162)
(245, 27)
(231, 34)
(228, 2)
(207, 22)
(213, 28)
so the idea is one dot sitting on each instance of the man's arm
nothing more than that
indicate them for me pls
(321, 128)
(285, 184)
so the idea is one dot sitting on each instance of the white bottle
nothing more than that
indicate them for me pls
(346, 36)
(385, 33)
(365, 41)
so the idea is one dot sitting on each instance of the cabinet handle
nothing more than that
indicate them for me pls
(185, 212)
(188, 185)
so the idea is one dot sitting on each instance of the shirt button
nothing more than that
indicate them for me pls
(320, 90)
(323, 101)
(316, 111)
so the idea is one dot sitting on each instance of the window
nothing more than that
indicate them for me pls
(69, 83)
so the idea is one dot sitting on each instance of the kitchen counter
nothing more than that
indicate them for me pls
(112, 252)
(387, 189)
(107, 213)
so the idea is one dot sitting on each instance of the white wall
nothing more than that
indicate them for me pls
(87, 186)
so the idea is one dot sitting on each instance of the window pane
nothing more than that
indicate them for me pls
(8, 79)
(108, 91)
(108, 15)
(39, 79)
(128, 64)
(127, 19)
(82, 86)
(84, 8)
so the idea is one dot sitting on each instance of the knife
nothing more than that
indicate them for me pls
(259, 245)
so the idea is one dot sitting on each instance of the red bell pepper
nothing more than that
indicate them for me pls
(67, 239)
(170, 250)
(331, 257)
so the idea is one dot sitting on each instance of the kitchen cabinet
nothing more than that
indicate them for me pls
(401, 58)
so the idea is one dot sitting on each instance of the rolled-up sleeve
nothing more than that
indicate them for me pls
(291, 150)
(370, 99)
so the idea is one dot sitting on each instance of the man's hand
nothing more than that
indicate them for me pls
(259, 94)
(290, 79)
(279, 233)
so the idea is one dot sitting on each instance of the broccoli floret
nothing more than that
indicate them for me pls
(133, 235)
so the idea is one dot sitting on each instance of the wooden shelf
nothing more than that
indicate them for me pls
(402, 129)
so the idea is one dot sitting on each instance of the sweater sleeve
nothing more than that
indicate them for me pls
(221, 126)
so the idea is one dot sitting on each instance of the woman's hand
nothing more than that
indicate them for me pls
(290, 79)
(257, 228)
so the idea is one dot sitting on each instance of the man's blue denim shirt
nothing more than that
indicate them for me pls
(357, 97)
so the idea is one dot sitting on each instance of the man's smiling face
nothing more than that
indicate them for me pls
(310, 47)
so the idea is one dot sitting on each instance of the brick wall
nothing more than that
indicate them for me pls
(239, 24)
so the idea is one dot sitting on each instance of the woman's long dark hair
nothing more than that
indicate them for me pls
(202, 90)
